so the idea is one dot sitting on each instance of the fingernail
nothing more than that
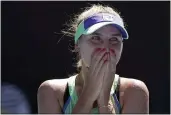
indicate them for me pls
(112, 51)
(105, 61)
(97, 49)
(108, 55)
(104, 49)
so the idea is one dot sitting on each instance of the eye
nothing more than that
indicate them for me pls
(115, 40)
(96, 39)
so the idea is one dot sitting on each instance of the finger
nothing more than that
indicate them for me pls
(97, 53)
(112, 60)
(96, 50)
(112, 52)
(97, 58)
(108, 62)
(109, 65)
(100, 59)
(98, 66)
(100, 71)
(109, 73)
(99, 63)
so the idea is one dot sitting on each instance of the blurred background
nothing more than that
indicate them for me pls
(31, 52)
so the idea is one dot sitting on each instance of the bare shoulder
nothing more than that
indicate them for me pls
(133, 85)
(54, 87)
(53, 84)
(134, 96)
(50, 96)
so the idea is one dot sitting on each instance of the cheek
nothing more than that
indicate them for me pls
(86, 57)
(86, 52)
(117, 50)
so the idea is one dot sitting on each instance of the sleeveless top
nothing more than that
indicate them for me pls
(71, 98)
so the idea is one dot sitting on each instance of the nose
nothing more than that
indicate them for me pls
(106, 45)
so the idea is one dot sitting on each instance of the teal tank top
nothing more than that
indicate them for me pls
(73, 98)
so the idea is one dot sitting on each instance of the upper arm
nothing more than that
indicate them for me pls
(47, 100)
(136, 98)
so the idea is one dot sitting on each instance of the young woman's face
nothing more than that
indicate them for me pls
(107, 37)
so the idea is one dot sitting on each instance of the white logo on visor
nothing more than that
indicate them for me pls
(113, 18)
(108, 17)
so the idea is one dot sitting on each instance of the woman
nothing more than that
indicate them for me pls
(98, 34)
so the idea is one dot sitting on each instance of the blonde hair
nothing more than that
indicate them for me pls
(87, 12)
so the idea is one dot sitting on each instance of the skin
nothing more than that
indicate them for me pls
(134, 95)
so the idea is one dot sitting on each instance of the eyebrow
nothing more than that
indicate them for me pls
(99, 34)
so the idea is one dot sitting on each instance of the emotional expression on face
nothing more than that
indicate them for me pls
(107, 37)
